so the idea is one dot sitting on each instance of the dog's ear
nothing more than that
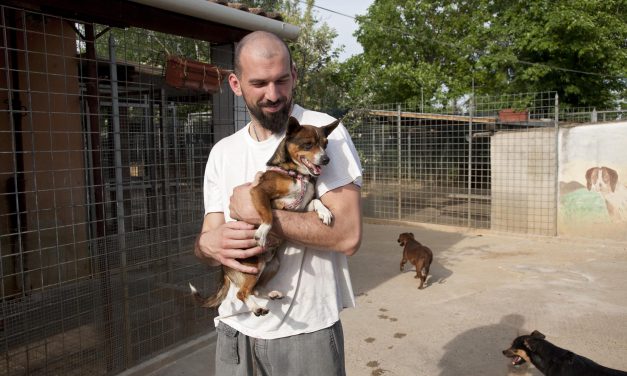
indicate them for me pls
(292, 126)
(537, 334)
(327, 129)
(412, 235)
(613, 175)
(589, 177)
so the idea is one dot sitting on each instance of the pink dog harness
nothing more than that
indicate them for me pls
(302, 179)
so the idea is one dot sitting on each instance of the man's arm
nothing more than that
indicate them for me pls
(344, 234)
(224, 243)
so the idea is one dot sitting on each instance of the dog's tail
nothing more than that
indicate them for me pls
(215, 299)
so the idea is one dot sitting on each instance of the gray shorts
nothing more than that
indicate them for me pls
(317, 353)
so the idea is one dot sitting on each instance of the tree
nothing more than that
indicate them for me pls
(315, 58)
(436, 49)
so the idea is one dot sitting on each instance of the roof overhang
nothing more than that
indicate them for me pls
(218, 13)
(203, 24)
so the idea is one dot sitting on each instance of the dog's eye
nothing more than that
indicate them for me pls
(307, 146)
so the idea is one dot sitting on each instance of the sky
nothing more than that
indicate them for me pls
(344, 26)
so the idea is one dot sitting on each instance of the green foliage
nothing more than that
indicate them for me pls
(155, 46)
(315, 58)
(440, 46)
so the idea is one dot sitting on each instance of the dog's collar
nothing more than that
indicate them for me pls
(292, 173)
(303, 179)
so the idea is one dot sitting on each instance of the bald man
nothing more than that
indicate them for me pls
(302, 333)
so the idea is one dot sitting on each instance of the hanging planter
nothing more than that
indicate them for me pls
(184, 73)
(510, 115)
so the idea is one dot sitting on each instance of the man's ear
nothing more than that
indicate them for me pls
(235, 84)
(294, 73)
(292, 125)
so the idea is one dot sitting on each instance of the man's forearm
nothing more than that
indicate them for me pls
(344, 234)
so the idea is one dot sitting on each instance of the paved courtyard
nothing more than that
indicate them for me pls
(484, 289)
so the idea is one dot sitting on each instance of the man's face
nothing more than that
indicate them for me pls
(266, 84)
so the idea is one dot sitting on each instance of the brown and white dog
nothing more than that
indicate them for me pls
(604, 180)
(288, 184)
(417, 254)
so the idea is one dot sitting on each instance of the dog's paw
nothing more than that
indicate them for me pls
(259, 311)
(275, 295)
(324, 214)
(261, 235)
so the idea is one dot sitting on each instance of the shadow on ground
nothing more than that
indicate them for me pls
(470, 354)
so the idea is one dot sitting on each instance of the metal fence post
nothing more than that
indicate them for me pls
(469, 200)
(119, 194)
(399, 167)
(557, 164)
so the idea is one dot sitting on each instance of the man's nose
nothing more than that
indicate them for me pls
(272, 92)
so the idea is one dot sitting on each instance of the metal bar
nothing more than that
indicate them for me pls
(557, 163)
(119, 194)
(469, 201)
(16, 185)
(399, 161)
(98, 199)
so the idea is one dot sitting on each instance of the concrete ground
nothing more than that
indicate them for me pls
(484, 289)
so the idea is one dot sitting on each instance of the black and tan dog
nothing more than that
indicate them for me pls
(417, 254)
(552, 360)
(288, 184)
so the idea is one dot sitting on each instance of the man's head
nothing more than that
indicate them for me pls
(265, 77)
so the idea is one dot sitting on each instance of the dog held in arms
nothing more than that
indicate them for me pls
(417, 254)
(552, 360)
(288, 184)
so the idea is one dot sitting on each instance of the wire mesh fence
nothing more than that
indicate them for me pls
(102, 167)
(489, 162)
(102, 164)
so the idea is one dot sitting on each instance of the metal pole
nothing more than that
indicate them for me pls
(177, 188)
(557, 163)
(374, 153)
(119, 193)
(469, 215)
(399, 167)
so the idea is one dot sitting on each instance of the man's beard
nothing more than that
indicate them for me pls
(274, 121)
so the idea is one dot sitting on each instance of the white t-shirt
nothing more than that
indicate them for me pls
(316, 283)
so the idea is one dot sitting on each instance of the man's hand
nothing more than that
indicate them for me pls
(227, 243)
(241, 205)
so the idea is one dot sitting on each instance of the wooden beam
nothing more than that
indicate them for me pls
(418, 115)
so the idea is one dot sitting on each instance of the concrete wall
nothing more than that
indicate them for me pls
(584, 212)
(523, 181)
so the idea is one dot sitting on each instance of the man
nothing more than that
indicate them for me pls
(302, 334)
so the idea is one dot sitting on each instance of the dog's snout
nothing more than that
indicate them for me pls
(324, 160)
